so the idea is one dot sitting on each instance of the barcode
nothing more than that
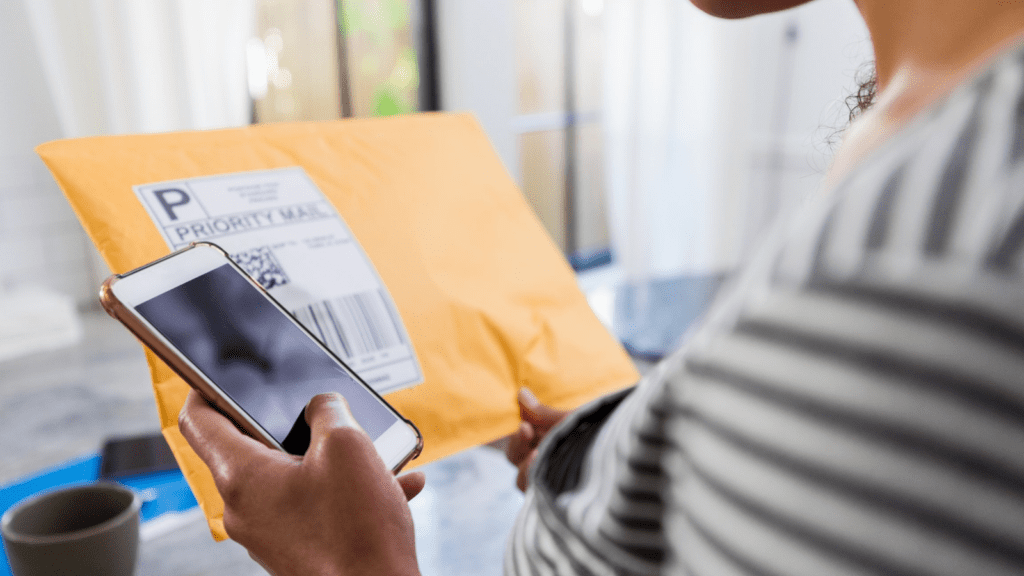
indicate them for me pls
(261, 264)
(353, 325)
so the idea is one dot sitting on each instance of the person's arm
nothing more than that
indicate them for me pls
(337, 510)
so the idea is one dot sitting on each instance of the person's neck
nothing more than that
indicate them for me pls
(934, 39)
(923, 49)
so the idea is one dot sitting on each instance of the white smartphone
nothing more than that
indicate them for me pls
(228, 338)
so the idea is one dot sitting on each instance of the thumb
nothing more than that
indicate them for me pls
(412, 483)
(532, 411)
(329, 411)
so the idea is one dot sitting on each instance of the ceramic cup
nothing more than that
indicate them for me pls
(90, 530)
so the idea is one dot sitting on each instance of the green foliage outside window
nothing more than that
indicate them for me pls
(383, 70)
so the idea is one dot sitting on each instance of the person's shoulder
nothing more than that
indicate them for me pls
(944, 198)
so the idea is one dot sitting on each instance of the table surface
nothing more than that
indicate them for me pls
(59, 405)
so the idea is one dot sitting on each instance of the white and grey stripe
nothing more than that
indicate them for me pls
(854, 405)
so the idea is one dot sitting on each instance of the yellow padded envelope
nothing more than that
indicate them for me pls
(489, 302)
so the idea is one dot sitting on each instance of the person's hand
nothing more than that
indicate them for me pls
(538, 420)
(336, 510)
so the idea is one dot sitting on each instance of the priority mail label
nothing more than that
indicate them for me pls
(281, 229)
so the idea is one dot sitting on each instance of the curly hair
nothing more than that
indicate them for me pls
(867, 89)
(856, 104)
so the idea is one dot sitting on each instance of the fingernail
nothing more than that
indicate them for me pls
(334, 397)
(347, 417)
(335, 401)
(527, 397)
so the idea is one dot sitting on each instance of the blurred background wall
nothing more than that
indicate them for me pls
(641, 131)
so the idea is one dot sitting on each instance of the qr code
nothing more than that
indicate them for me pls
(261, 264)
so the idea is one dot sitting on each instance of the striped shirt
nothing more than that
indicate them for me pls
(853, 404)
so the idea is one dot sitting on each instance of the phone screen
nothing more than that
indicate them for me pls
(257, 355)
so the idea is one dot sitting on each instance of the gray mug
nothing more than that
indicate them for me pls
(90, 530)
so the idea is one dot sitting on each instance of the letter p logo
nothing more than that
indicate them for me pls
(171, 198)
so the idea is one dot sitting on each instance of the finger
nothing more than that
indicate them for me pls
(540, 415)
(520, 443)
(523, 478)
(412, 483)
(335, 435)
(217, 441)
(329, 411)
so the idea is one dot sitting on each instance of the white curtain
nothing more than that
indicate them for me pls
(713, 127)
(128, 66)
(667, 132)
(701, 115)
(139, 66)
